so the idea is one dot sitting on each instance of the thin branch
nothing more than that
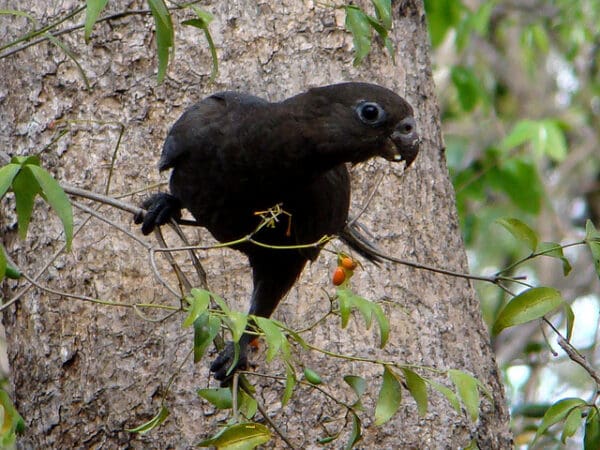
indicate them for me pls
(195, 261)
(35, 284)
(98, 216)
(48, 263)
(540, 253)
(574, 354)
(159, 276)
(416, 265)
(368, 201)
(127, 207)
(85, 298)
(68, 30)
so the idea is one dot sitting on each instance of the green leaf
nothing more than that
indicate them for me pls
(290, 384)
(592, 239)
(92, 11)
(3, 262)
(523, 131)
(550, 140)
(248, 405)
(25, 187)
(202, 21)
(7, 175)
(241, 436)
(442, 15)
(390, 397)
(6, 269)
(236, 321)
(221, 398)
(535, 39)
(328, 439)
(446, 392)
(383, 12)
(33, 160)
(520, 231)
(554, 250)
(592, 430)
(348, 300)
(311, 376)
(556, 413)
(357, 22)
(164, 35)
(519, 180)
(355, 434)
(468, 87)
(358, 385)
(273, 335)
(527, 306)
(476, 22)
(344, 299)
(384, 325)
(383, 34)
(12, 422)
(591, 233)
(220, 302)
(545, 136)
(572, 423)
(570, 317)
(365, 307)
(198, 305)
(417, 388)
(480, 19)
(467, 389)
(206, 328)
(152, 423)
(56, 197)
(12, 272)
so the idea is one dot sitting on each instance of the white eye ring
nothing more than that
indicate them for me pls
(370, 113)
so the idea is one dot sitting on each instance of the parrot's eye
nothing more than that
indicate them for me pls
(370, 113)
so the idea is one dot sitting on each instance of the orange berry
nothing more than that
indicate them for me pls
(339, 276)
(348, 263)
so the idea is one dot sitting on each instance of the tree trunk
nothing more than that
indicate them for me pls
(84, 372)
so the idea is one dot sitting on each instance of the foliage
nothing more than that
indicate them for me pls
(362, 25)
(519, 89)
(11, 422)
(163, 27)
(28, 180)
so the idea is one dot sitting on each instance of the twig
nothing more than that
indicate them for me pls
(195, 261)
(368, 202)
(573, 353)
(493, 279)
(578, 358)
(98, 216)
(158, 275)
(127, 207)
(245, 385)
(67, 294)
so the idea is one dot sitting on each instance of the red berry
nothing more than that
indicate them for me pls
(339, 276)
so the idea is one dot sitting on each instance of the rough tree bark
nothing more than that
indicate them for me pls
(83, 373)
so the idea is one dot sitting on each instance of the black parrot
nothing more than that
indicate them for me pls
(234, 154)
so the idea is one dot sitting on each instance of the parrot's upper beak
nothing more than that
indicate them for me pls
(403, 143)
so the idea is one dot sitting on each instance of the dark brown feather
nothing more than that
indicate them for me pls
(234, 154)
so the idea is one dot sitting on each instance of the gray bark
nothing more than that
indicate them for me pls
(83, 373)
